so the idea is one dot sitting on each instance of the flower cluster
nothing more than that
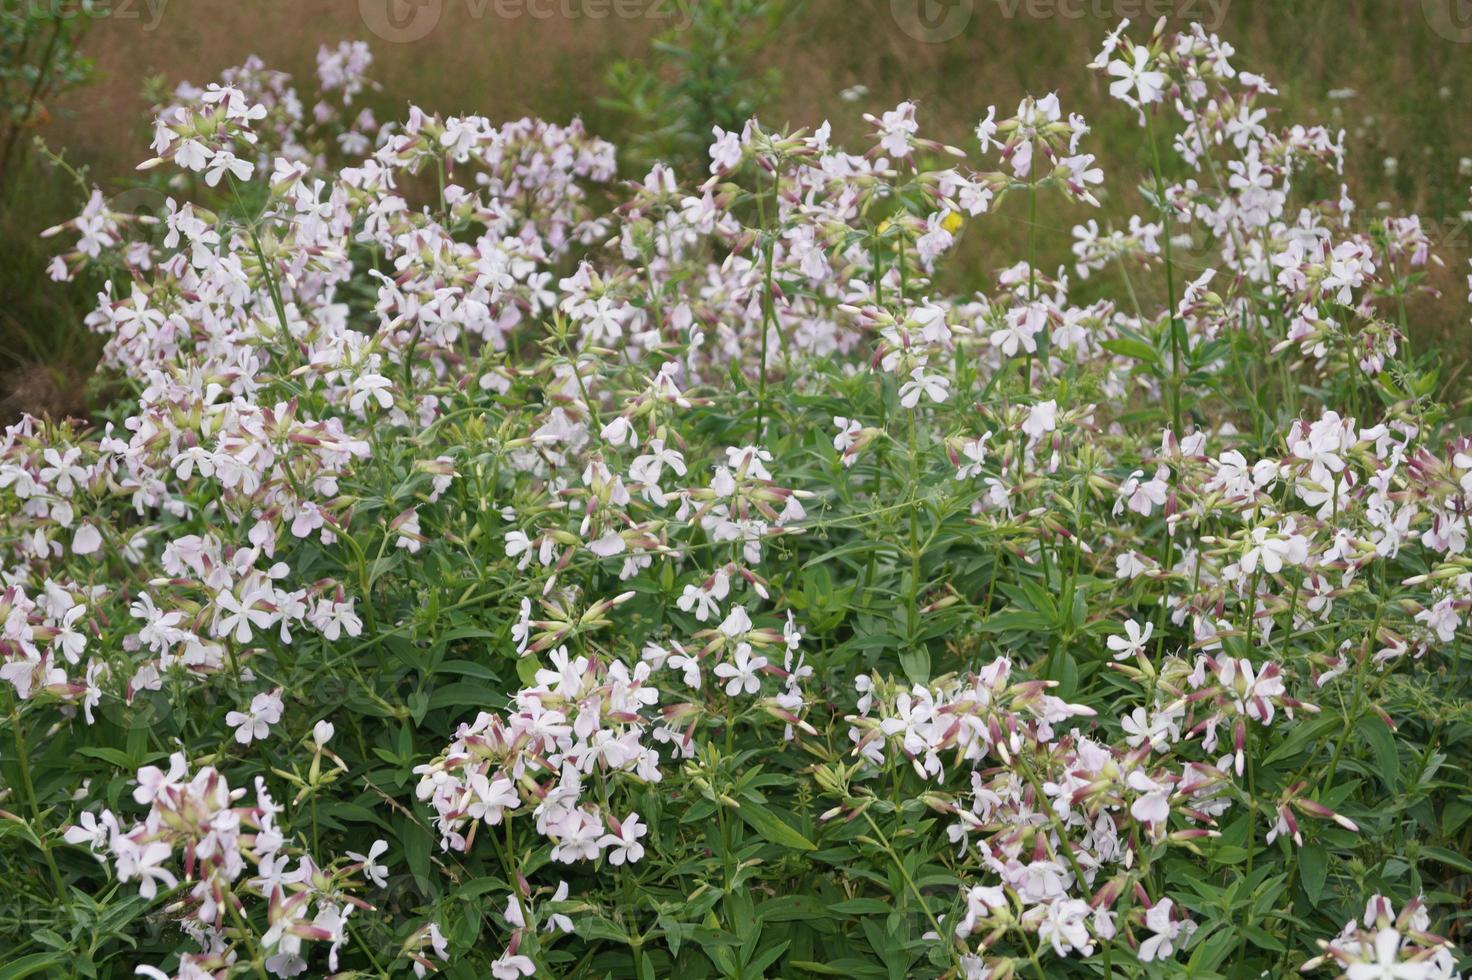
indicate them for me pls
(227, 853)
(697, 586)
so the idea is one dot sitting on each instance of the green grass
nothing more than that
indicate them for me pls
(46, 353)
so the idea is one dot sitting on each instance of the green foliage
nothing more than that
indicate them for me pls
(39, 61)
(701, 73)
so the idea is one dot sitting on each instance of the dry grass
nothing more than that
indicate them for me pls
(472, 60)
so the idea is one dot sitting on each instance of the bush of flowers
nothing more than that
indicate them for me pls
(494, 567)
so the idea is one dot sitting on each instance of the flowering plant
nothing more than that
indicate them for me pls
(497, 568)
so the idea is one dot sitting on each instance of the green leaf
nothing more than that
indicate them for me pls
(1130, 347)
(1014, 620)
(793, 908)
(862, 906)
(915, 662)
(462, 694)
(418, 706)
(1453, 816)
(34, 963)
(1382, 743)
(760, 962)
(766, 823)
(1449, 858)
(526, 670)
(1313, 869)
(416, 845)
(467, 668)
(1261, 939)
(675, 932)
(1212, 951)
(114, 757)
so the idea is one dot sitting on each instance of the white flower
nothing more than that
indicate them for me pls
(619, 431)
(897, 128)
(255, 723)
(192, 155)
(336, 618)
(224, 162)
(936, 387)
(510, 966)
(521, 630)
(1022, 325)
(1386, 965)
(236, 614)
(1063, 924)
(1129, 565)
(142, 861)
(689, 667)
(87, 540)
(491, 798)
(95, 833)
(152, 780)
(743, 673)
(986, 129)
(437, 942)
(374, 386)
(625, 842)
(1158, 920)
(1142, 497)
(1139, 77)
(556, 921)
(1153, 804)
(1134, 641)
(519, 546)
(737, 623)
(70, 641)
(1041, 418)
(975, 451)
(725, 152)
(372, 870)
(848, 433)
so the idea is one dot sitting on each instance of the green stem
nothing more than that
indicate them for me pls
(22, 758)
(1170, 281)
(768, 314)
(909, 881)
(1032, 269)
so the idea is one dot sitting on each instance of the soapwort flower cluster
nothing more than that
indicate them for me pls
(672, 576)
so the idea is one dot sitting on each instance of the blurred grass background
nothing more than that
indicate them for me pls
(1387, 71)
